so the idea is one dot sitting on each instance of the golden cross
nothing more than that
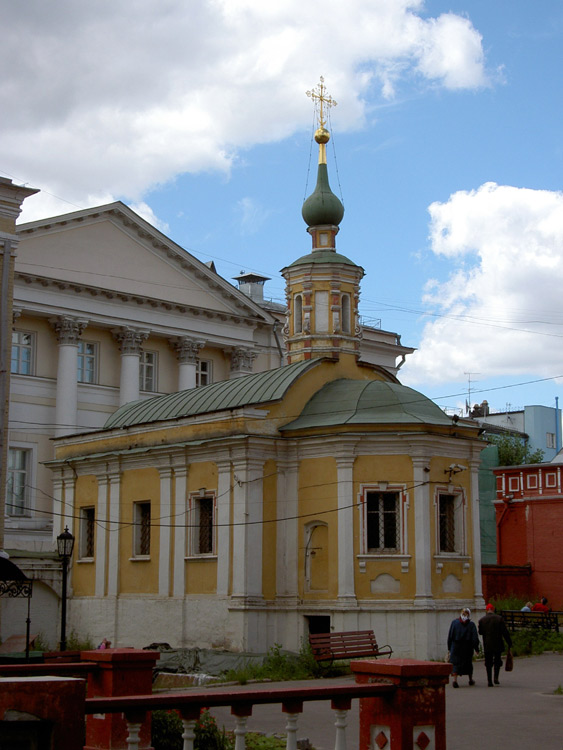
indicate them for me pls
(319, 93)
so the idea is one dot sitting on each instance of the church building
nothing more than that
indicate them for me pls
(318, 495)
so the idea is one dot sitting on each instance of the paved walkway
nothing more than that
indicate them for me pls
(520, 714)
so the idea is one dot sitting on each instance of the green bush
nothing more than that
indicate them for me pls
(510, 601)
(535, 641)
(75, 642)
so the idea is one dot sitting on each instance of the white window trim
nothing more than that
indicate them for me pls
(402, 551)
(192, 525)
(31, 473)
(32, 348)
(209, 372)
(460, 521)
(96, 356)
(142, 372)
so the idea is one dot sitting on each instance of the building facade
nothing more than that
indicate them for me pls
(319, 494)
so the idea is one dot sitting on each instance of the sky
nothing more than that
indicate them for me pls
(446, 149)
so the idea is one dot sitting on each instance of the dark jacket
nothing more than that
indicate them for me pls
(495, 633)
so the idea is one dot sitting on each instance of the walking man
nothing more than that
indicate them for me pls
(495, 633)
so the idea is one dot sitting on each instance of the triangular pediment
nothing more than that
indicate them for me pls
(112, 248)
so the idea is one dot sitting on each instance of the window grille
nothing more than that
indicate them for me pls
(142, 534)
(201, 526)
(205, 526)
(447, 523)
(382, 521)
(87, 527)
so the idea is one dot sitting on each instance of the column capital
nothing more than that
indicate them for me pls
(242, 360)
(130, 339)
(68, 329)
(187, 349)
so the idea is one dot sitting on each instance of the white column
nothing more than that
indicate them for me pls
(165, 530)
(67, 517)
(101, 532)
(247, 531)
(114, 479)
(422, 540)
(130, 342)
(179, 583)
(242, 361)
(68, 332)
(287, 531)
(223, 526)
(476, 529)
(187, 351)
(57, 503)
(345, 475)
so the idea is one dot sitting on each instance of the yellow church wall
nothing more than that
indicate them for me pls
(84, 572)
(269, 530)
(138, 575)
(201, 572)
(397, 470)
(318, 492)
(462, 480)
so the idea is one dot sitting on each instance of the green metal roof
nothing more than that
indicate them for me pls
(323, 256)
(375, 402)
(249, 390)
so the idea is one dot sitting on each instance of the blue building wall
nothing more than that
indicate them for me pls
(539, 422)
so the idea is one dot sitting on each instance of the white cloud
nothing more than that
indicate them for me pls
(110, 98)
(251, 215)
(500, 309)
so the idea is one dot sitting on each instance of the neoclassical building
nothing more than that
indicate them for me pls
(317, 494)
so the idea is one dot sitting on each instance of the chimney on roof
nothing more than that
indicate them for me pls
(252, 284)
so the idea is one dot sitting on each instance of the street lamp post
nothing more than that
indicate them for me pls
(65, 544)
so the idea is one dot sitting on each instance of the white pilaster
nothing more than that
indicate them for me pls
(287, 529)
(422, 539)
(166, 516)
(223, 527)
(345, 475)
(179, 581)
(130, 342)
(247, 531)
(68, 332)
(101, 534)
(57, 503)
(476, 529)
(114, 478)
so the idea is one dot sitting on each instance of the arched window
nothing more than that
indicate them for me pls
(346, 313)
(298, 314)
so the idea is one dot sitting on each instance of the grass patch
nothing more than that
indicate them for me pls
(280, 667)
(558, 690)
(535, 641)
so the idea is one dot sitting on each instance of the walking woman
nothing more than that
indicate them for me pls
(462, 642)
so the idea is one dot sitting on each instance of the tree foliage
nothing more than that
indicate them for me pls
(514, 450)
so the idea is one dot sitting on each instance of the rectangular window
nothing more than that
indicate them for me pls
(447, 525)
(87, 527)
(147, 371)
(203, 372)
(18, 494)
(550, 440)
(87, 362)
(142, 529)
(321, 312)
(201, 526)
(22, 353)
(382, 522)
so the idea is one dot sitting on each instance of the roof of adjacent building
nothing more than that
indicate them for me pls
(374, 402)
(250, 390)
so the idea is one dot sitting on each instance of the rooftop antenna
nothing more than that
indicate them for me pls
(468, 402)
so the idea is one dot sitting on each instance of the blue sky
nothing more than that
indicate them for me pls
(447, 149)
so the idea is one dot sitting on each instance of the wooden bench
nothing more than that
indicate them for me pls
(517, 620)
(346, 645)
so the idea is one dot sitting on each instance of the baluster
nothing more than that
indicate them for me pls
(133, 734)
(341, 707)
(292, 709)
(188, 734)
(240, 732)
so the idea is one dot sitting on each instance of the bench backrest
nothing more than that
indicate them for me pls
(345, 645)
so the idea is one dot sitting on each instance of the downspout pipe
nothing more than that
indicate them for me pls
(557, 426)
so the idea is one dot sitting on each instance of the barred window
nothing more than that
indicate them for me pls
(447, 526)
(87, 527)
(142, 529)
(382, 521)
(298, 314)
(148, 371)
(22, 353)
(87, 362)
(201, 523)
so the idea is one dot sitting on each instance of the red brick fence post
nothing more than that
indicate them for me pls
(411, 718)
